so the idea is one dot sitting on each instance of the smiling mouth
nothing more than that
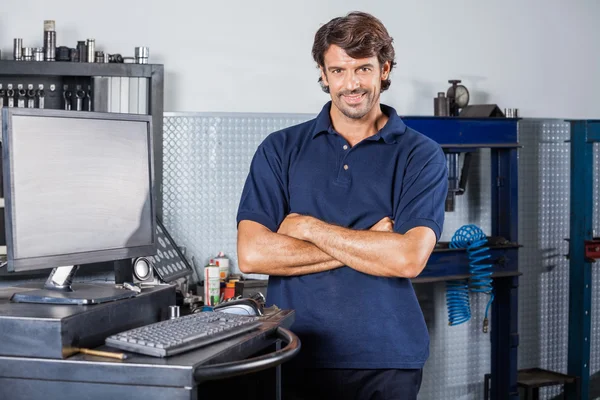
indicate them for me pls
(353, 98)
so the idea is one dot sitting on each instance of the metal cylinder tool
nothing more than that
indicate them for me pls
(173, 312)
(49, 41)
(99, 56)
(27, 53)
(38, 54)
(441, 105)
(63, 53)
(18, 49)
(91, 49)
(141, 55)
(82, 51)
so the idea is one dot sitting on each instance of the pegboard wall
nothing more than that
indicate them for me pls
(206, 162)
(544, 196)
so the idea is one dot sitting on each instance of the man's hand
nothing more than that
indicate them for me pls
(295, 225)
(385, 225)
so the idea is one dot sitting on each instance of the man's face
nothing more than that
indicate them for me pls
(354, 84)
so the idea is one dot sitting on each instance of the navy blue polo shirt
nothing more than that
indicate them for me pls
(345, 318)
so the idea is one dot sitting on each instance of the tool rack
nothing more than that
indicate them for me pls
(500, 135)
(53, 76)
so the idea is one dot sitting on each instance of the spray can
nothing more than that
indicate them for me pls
(212, 285)
(223, 263)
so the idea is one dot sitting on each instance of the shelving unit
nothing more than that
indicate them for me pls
(500, 135)
(87, 75)
(584, 133)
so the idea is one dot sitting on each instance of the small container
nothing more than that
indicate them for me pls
(223, 263)
(229, 291)
(212, 285)
(173, 312)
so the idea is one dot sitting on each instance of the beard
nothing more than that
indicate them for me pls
(355, 111)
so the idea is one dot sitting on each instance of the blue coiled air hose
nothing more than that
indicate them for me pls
(473, 239)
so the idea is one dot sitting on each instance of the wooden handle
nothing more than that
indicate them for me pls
(118, 356)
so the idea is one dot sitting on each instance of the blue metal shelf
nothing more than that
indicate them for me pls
(500, 135)
(584, 133)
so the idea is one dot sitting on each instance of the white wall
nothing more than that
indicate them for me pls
(254, 56)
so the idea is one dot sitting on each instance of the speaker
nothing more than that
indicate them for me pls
(167, 265)
(143, 271)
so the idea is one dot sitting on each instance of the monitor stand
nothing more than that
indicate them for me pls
(59, 289)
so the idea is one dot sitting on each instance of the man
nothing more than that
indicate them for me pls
(341, 211)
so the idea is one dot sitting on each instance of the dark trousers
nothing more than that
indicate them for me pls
(351, 384)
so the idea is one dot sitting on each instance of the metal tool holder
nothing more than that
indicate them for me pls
(500, 135)
(80, 86)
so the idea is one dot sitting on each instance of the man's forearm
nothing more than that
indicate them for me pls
(374, 253)
(275, 254)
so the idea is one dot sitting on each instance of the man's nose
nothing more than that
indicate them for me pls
(352, 82)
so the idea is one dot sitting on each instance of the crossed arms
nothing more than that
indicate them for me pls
(305, 245)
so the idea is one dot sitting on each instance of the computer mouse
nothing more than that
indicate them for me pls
(243, 306)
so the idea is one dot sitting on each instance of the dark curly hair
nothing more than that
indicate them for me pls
(361, 35)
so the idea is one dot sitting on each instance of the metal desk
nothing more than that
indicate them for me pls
(141, 377)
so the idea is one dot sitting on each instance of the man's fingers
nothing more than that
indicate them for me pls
(384, 225)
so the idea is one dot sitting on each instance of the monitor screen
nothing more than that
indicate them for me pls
(78, 187)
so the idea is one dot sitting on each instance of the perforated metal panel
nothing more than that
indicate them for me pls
(459, 355)
(544, 224)
(206, 161)
(595, 339)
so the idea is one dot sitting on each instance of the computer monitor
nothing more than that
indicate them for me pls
(78, 189)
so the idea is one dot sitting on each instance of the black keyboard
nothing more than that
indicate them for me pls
(178, 335)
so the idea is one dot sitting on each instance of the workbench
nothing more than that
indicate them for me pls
(139, 377)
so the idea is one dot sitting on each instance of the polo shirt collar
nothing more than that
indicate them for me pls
(390, 133)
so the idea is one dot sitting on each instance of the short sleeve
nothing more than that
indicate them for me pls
(423, 197)
(265, 196)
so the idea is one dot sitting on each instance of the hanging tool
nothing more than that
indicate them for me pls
(21, 100)
(30, 98)
(67, 95)
(41, 97)
(10, 93)
(79, 95)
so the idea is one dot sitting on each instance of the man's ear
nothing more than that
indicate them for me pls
(385, 70)
(323, 76)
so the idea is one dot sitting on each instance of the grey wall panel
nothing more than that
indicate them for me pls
(206, 160)
(544, 213)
